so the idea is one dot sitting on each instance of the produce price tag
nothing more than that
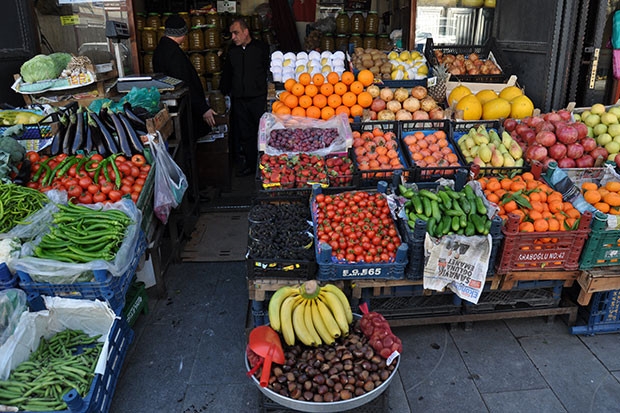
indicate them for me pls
(361, 272)
(70, 20)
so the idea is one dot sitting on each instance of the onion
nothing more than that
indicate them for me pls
(586, 161)
(393, 106)
(386, 94)
(545, 138)
(536, 153)
(377, 104)
(419, 92)
(386, 115)
(428, 104)
(566, 163)
(420, 115)
(437, 113)
(589, 144)
(401, 94)
(403, 114)
(557, 151)
(510, 124)
(574, 151)
(411, 104)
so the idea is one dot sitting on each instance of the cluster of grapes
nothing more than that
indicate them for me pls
(302, 140)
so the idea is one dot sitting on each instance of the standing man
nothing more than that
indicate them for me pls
(245, 79)
(172, 61)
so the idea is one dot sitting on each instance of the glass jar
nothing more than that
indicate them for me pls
(357, 22)
(212, 39)
(268, 37)
(257, 23)
(184, 44)
(140, 21)
(217, 102)
(164, 17)
(196, 39)
(342, 23)
(216, 78)
(383, 42)
(327, 42)
(342, 42)
(370, 41)
(198, 61)
(356, 40)
(147, 62)
(148, 39)
(185, 16)
(153, 21)
(198, 19)
(222, 22)
(213, 19)
(212, 62)
(372, 23)
(161, 32)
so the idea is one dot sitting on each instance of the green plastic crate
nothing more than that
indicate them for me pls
(602, 248)
(136, 302)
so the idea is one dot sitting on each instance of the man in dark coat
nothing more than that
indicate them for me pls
(244, 78)
(170, 60)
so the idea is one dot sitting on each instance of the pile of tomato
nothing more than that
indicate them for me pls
(90, 179)
(358, 226)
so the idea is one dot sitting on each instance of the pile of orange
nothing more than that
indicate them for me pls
(431, 150)
(320, 97)
(538, 206)
(605, 198)
(376, 150)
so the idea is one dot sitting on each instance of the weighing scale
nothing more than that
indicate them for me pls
(117, 31)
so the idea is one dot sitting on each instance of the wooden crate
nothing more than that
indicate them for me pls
(597, 280)
(511, 278)
(258, 287)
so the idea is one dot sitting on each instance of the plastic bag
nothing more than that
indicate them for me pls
(380, 336)
(170, 181)
(12, 304)
(38, 222)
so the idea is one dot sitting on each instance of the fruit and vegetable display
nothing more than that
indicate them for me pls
(19, 117)
(554, 137)
(377, 150)
(304, 170)
(604, 126)
(402, 104)
(374, 60)
(488, 104)
(446, 211)
(406, 65)
(302, 139)
(280, 231)
(64, 362)
(44, 67)
(80, 234)
(90, 179)
(470, 64)
(358, 226)
(17, 203)
(605, 198)
(485, 148)
(339, 170)
(285, 66)
(431, 149)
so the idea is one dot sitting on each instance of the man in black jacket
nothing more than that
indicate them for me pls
(170, 60)
(244, 78)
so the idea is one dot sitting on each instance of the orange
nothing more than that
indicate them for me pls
(327, 89)
(275, 105)
(340, 88)
(554, 224)
(291, 101)
(343, 109)
(305, 78)
(283, 95)
(601, 206)
(612, 199)
(305, 101)
(311, 90)
(334, 101)
(356, 110)
(612, 186)
(319, 101)
(288, 85)
(298, 89)
(541, 225)
(356, 87)
(366, 77)
(298, 111)
(510, 206)
(526, 227)
(283, 110)
(516, 186)
(318, 79)
(527, 176)
(349, 99)
(506, 183)
(313, 112)
(327, 113)
(589, 186)
(364, 99)
(347, 77)
(333, 78)
(592, 196)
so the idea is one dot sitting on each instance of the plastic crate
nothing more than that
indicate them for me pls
(602, 315)
(418, 305)
(105, 287)
(426, 174)
(602, 249)
(11, 282)
(522, 251)
(330, 269)
(369, 178)
(460, 128)
(34, 131)
(487, 51)
(525, 297)
(136, 302)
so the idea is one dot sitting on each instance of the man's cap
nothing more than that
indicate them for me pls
(175, 26)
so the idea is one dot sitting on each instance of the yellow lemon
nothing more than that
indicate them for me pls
(521, 106)
(496, 109)
(423, 70)
(457, 94)
(510, 92)
(485, 95)
(471, 107)
(404, 55)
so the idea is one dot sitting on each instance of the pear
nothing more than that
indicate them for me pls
(465, 152)
(485, 153)
(481, 138)
(480, 162)
(507, 139)
(474, 151)
(502, 149)
(497, 159)
(515, 150)
(492, 146)
(469, 159)
(495, 137)
(519, 162)
(482, 130)
(508, 160)
(470, 142)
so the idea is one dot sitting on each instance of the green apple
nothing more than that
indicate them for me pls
(599, 129)
(598, 109)
(603, 139)
(577, 117)
(585, 114)
(612, 157)
(612, 147)
(614, 129)
(609, 118)
(615, 110)
(592, 120)
(616, 139)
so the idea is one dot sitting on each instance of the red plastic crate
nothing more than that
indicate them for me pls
(523, 251)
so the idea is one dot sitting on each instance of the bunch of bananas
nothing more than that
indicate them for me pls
(310, 313)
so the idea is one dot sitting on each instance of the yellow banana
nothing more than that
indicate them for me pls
(343, 299)
(334, 304)
(286, 319)
(319, 324)
(328, 319)
(301, 332)
(316, 338)
(276, 302)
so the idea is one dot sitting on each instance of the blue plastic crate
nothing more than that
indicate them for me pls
(107, 287)
(602, 315)
(10, 283)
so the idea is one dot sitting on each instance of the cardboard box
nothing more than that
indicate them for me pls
(162, 122)
(226, 6)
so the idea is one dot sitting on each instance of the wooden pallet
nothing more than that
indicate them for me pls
(258, 287)
(511, 278)
(597, 280)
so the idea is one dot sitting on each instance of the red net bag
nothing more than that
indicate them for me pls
(380, 336)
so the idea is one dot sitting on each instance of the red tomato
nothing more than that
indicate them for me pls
(136, 188)
(135, 196)
(138, 160)
(93, 189)
(74, 191)
(125, 169)
(115, 195)
(140, 181)
(99, 197)
(97, 157)
(85, 182)
(125, 189)
(135, 171)
(33, 156)
(85, 198)
(107, 187)
(128, 180)
(121, 159)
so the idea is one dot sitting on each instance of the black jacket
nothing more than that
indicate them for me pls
(170, 60)
(246, 70)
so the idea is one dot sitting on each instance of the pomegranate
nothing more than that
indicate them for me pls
(586, 161)
(377, 104)
(566, 163)
(544, 125)
(510, 124)
(557, 151)
(545, 138)
(574, 151)
(589, 144)
(536, 152)
(567, 134)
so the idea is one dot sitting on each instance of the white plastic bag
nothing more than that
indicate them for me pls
(12, 304)
(170, 181)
